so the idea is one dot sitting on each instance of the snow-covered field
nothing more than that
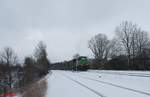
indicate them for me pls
(96, 83)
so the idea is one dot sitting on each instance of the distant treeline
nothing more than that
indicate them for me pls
(116, 63)
(128, 50)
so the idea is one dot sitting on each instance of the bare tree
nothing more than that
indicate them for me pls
(29, 72)
(114, 48)
(40, 50)
(100, 46)
(9, 58)
(41, 58)
(133, 39)
(142, 41)
(125, 33)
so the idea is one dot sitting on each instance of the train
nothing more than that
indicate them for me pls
(81, 64)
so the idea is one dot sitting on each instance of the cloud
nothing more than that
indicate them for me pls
(65, 25)
(35, 36)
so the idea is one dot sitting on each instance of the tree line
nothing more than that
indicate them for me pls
(34, 68)
(129, 49)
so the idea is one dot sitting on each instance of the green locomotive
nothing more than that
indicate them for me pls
(81, 64)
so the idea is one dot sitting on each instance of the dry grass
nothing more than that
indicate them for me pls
(36, 90)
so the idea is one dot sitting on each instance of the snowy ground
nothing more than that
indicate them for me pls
(96, 83)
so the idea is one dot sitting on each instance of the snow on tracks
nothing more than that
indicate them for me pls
(124, 73)
(60, 86)
(107, 88)
(103, 82)
(92, 90)
(111, 86)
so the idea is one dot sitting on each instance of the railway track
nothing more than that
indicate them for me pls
(85, 86)
(103, 82)
(128, 74)
(115, 85)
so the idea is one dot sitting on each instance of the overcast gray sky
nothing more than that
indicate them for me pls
(65, 25)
